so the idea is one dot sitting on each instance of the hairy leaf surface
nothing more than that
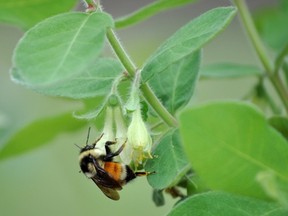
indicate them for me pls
(26, 13)
(59, 47)
(190, 38)
(169, 162)
(230, 144)
(223, 204)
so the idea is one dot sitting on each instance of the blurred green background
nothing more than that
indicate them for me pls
(46, 181)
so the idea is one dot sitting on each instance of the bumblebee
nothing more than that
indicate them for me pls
(99, 166)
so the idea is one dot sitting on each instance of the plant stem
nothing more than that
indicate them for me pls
(261, 52)
(120, 52)
(262, 93)
(275, 109)
(145, 88)
(280, 58)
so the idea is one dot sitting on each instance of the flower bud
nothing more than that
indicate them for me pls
(91, 5)
(139, 140)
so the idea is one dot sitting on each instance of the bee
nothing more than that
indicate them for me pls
(107, 174)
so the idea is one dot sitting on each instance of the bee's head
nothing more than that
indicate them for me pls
(86, 148)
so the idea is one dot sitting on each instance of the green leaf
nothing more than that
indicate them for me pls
(190, 38)
(278, 212)
(271, 23)
(26, 13)
(148, 11)
(158, 197)
(273, 186)
(230, 143)
(92, 110)
(92, 114)
(229, 70)
(59, 47)
(93, 81)
(175, 85)
(280, 124)
(169, 162)
(222, 204)
(38, 134)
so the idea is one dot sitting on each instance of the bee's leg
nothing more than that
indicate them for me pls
(100, 171)
(107, 146)
(130, 174)
(109, 154)
(144, 173)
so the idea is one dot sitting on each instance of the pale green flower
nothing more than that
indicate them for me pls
(139, 139)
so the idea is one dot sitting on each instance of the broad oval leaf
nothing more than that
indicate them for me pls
(38, 134)
(169, 162)
(222, 204)
(93, 108)
(230, 143)
(27, 13)
(148, 11)
(87, 115)
(59, 47)
(175, 85)
(91, 82)
(229, 70)
(190, 38)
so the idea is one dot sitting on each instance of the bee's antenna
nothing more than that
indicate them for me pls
(78, 146)
(88, 136)
(94, 144)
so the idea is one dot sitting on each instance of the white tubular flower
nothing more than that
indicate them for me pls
(121, 135)
(108, 132)
(139, 139)
(121, 129)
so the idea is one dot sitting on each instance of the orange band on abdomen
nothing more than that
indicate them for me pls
(114, 170)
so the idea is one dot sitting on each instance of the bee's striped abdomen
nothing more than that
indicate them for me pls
(114, 169)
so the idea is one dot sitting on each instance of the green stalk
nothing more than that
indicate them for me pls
(261, 52)
(281, 59)
(120, 52)
(145, 88)
(262, 93)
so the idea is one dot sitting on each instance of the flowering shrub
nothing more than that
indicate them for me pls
(220, 158)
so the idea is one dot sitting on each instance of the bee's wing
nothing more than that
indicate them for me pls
(104, 179)
(109, 192)
(105, 182)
